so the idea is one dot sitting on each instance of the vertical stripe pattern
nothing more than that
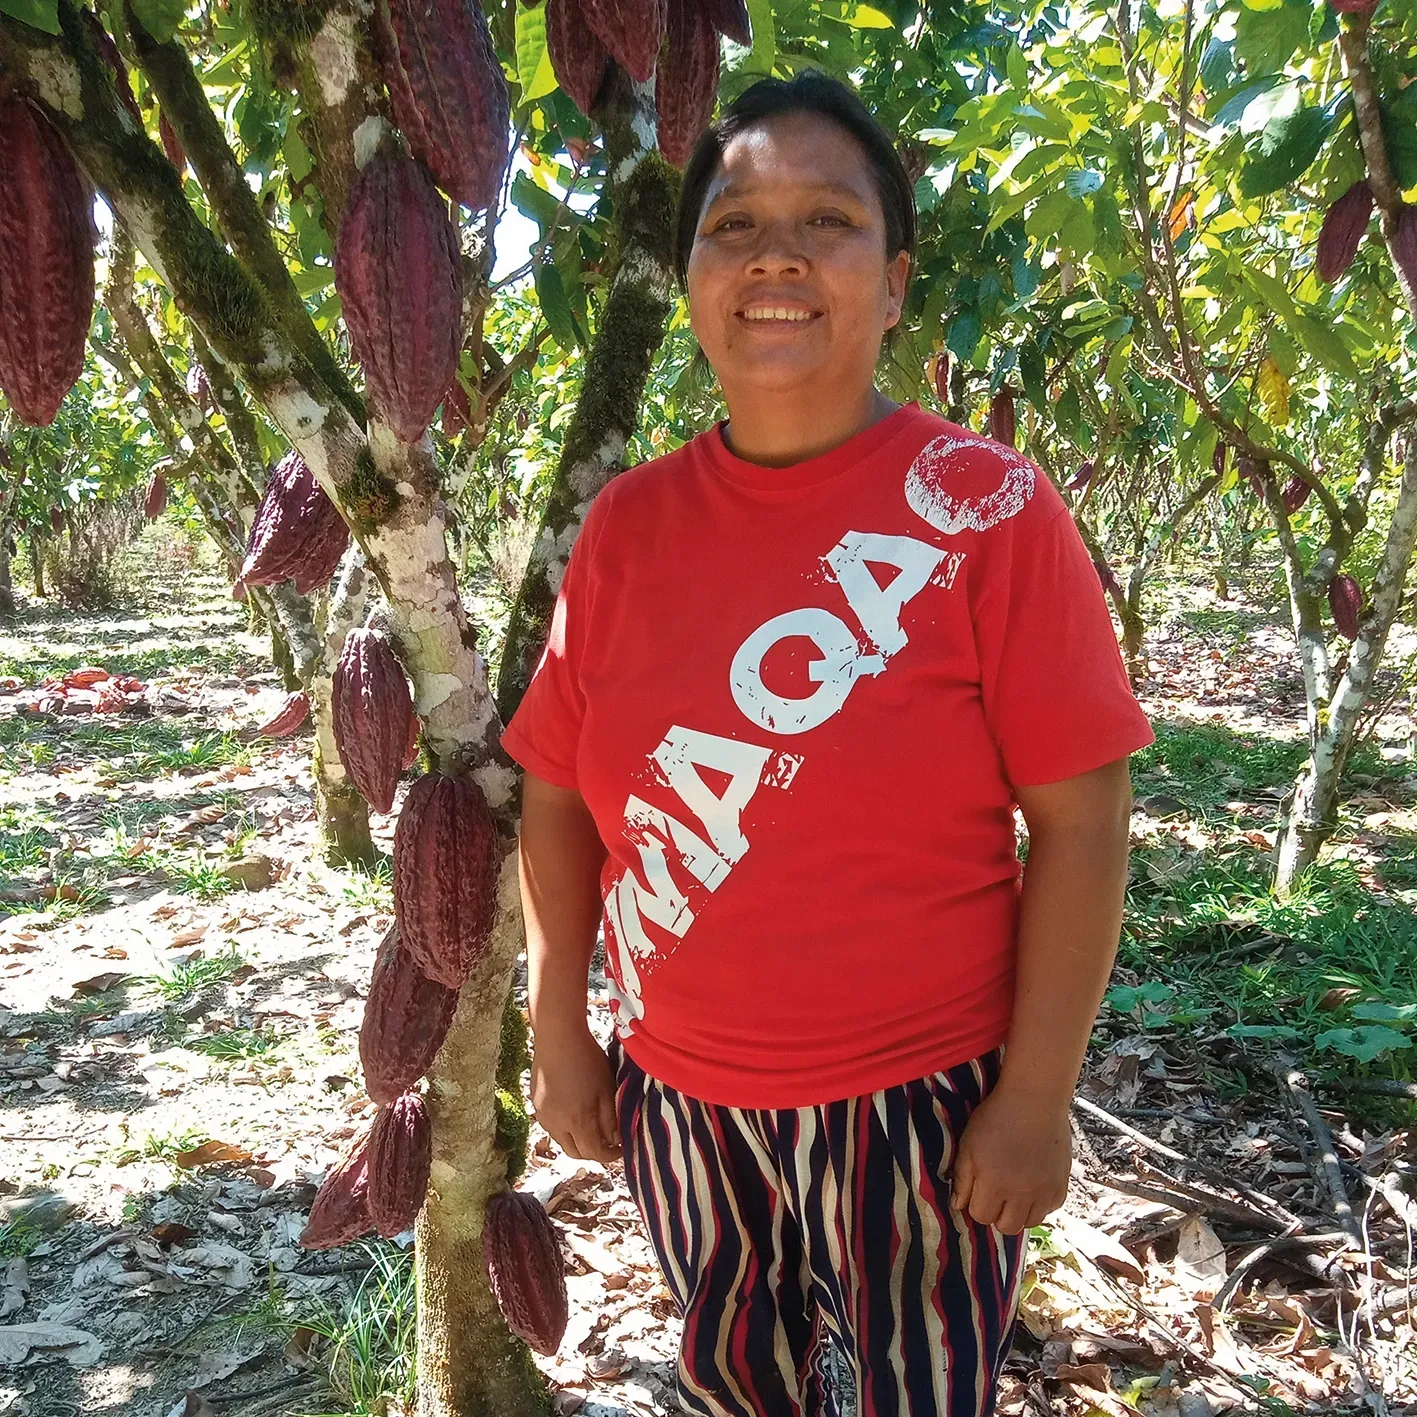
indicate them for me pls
(812, 1250)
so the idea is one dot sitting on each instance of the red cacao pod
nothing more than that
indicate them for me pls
(942, 377)
(1217, 458)
(399, 277)
(47, 237)
(108, 52)
(371, 712)
(400, 1156)
(287, 718)
(1353, 7)
(686, 80)
(56, 519)
(1344, 226)
(1345, 600)
(1404, 244)
(1002, 428)
(155, 502)
(526, 1269)
(632, 30)
(297, 532)
(446, 861)
(449, 96)
(1253, 471)
(1295, 494)
(340, 1212)
(457, 410)
(578, 58)
(406, 1018)
(730, 17)
(172, 144)
(1086, 471)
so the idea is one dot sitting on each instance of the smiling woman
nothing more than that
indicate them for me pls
(781, 767)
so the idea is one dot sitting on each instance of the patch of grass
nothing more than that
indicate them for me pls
(18, 1239)
(369, 888)
(372, 1337)
(125, 749)
(192, 874)
(23, 848)
(157, 1146)
(233, 1044)
(184, 980)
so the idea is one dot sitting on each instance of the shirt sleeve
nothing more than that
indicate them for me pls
(544, 733)
(1056, 695)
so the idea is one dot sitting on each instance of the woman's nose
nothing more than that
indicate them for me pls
(778, 251)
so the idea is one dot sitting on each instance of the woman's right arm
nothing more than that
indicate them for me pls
(560, 858)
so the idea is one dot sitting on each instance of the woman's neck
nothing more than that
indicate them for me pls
(773, 431)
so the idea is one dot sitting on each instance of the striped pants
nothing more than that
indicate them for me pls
(812, 1250)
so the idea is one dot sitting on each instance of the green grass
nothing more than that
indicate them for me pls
(147, 663)
(125, 749)
(18, 1238)
(23, 848)
(233, 1044)
(192, 874)
(157, 1146)
(184, 980)
(369, 888)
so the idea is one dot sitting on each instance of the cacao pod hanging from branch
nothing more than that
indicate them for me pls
(406, 1017)
(578, 58)
(1344, 226)
(155, 499)
(371, 711)
(1296, 493)
(400, 1155)
(47, 238)
(526, 1269)
(1345, 600)
(446, 861)
(632, 31)
(686, 80)
(1002, 427)
(399, 278)
(297, 534)
(287, 718)
(340, 1211)
(1082, 478)
(730, 18)
(449, 96)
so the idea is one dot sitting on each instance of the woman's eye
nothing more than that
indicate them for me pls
(835, 220)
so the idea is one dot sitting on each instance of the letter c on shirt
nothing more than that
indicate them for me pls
(842, 663)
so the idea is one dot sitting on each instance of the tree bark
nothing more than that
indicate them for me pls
(7, 587)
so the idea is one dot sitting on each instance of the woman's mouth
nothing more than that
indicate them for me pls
(777, 316)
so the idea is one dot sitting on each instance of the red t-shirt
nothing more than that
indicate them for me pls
(794, 700)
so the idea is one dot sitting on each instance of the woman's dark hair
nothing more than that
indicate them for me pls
(811, 91)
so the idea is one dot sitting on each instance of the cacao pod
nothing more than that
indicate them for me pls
(155, 502)
(1345, 600)
(578, 58)
(297, 532)
(730, 17)
(371, 712)
(400, 1156)
(446, 861)
(1086, 470)
(406, 1018)
(47, 237)
(686, 80)
(1217, 458)
(1404, 244)
(85, 677)
(526, 1269)
(399, 277)
(108, 52)
(1353, 7)
(632, 30)
(1002, 427)
(1344, 226)
(199, 387)
(1110, 583)
(56, 519)
(172, 144)
(942, 378)
(457, 410)
(449, 96)
(287, 718)
(1295, 494)
(340, 1211)
(1253, 471)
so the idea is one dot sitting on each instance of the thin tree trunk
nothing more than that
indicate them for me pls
(7, 587)
(37, 565)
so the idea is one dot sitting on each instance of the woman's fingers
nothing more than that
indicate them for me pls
(609, 1126)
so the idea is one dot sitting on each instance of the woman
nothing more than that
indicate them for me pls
(799, 673)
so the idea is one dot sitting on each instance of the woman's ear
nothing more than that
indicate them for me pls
(897, 279)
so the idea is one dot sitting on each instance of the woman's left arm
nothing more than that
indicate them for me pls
(1014, 1158)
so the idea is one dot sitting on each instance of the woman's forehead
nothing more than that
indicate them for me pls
(799, 151)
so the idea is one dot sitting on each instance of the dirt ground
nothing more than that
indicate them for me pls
(181, 983)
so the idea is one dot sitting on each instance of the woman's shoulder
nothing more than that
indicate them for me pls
(638, 492)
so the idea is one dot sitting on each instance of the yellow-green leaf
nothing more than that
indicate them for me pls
(1273, 389)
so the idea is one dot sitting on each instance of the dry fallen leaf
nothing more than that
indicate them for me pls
(211, 1153)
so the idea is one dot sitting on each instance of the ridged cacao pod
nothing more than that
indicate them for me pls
(400, 1155)
(399, 278)
(1002, 428)
(172, 144)
(406, 1018)
(449, 96)
(1086, 471)
(1217, 458)
(1345, 600)
(1295, 494)
(445, 876)
(108, 52)
(730, 17)
(47, 237)
(1404, 244)
(1252, 470)
(457, 411)
(287, 718)
(199, 387)
(371, 712)
(340, 1211)
(686, 80)
(578, 58)
(942, 378)
(1344, 226)
(526, 1269)
(632, 30)
(298, 533)
(155, 502)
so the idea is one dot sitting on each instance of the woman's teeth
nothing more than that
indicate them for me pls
(768, 313)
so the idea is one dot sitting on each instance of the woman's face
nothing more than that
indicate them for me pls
(792, 223)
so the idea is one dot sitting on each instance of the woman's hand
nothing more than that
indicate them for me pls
(573, 1092)
(1013, 1160)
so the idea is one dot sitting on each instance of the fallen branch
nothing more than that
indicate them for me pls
(1327, 1172)
(1380, 1087)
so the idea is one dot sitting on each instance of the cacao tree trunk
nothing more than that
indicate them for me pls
(1310, 816)
(37, 564)
(7, 588)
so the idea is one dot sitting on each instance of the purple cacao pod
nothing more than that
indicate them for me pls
(686, 80)
(526, 1269)
(730, 18)
(399, 277)
(298, 533)
(371, 709)
(1345, 600)
(340, 1212)
(578, 58)
(400, 1156)
(1344, 226)
(632, 30)
(155, 499)
(406, 1018)
(1002, 426)
(1296, 493)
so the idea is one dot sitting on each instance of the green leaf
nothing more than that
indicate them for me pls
(1261, 1030)
(1321, 340)
(964, 335)
(160, 17)
(1364, 1044)
(1124, 998)
(1017, 67)
(1285, 148)
(863, 17)
(764, 52)
(534, 71)
(1389, 1013)
(554, 305)
(1081, 182)
(534, 202)
(38, 14)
